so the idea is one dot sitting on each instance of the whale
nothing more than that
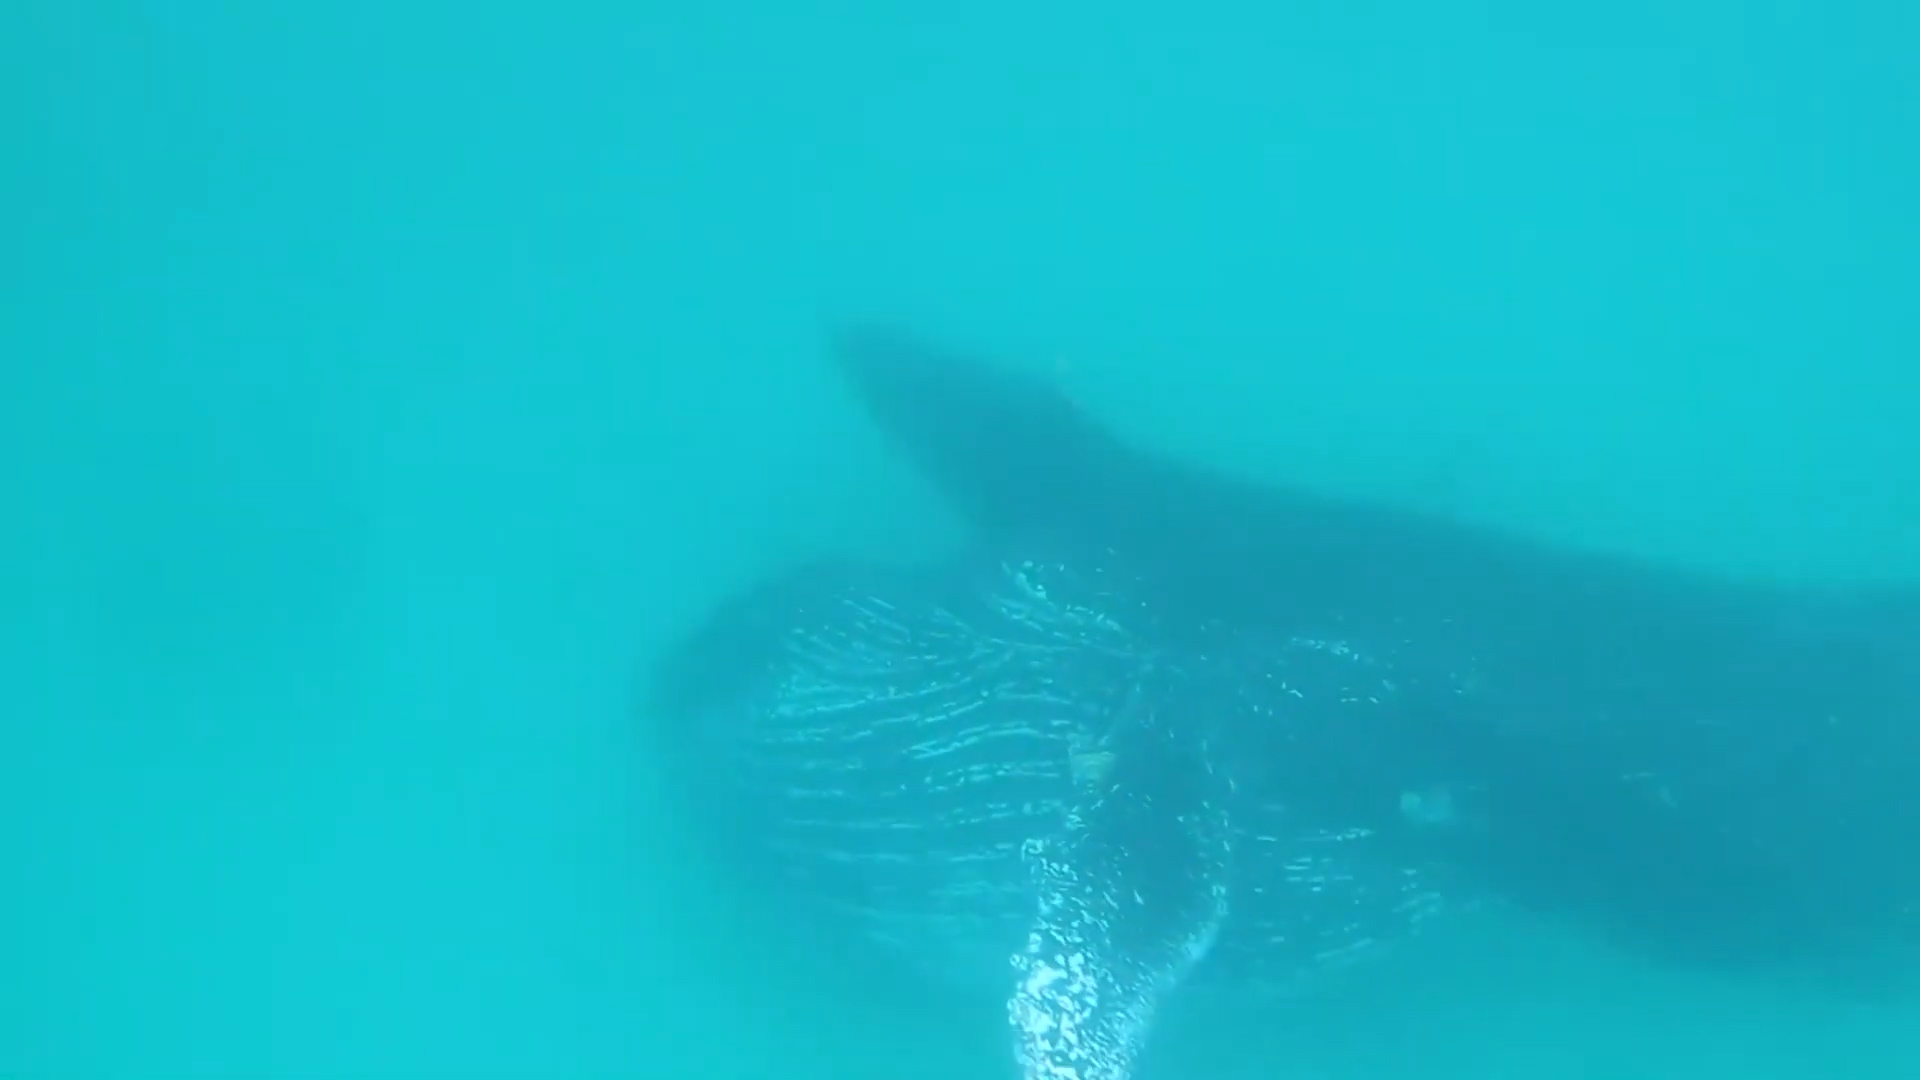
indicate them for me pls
(1000, 771)
(1706, 769)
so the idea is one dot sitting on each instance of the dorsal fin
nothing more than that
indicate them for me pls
(1009, 449)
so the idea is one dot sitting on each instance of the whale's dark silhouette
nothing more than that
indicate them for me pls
(1718, 769)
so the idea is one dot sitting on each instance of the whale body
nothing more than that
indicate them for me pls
(993, 768)
(1158, 728)
(1712, 770)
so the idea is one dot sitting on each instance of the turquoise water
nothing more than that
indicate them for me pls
(382, 383)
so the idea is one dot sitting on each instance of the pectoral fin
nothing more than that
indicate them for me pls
(1131, 894)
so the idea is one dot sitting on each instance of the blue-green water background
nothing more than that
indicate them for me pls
(382, 381)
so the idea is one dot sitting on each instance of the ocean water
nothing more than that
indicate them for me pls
(380, 384)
